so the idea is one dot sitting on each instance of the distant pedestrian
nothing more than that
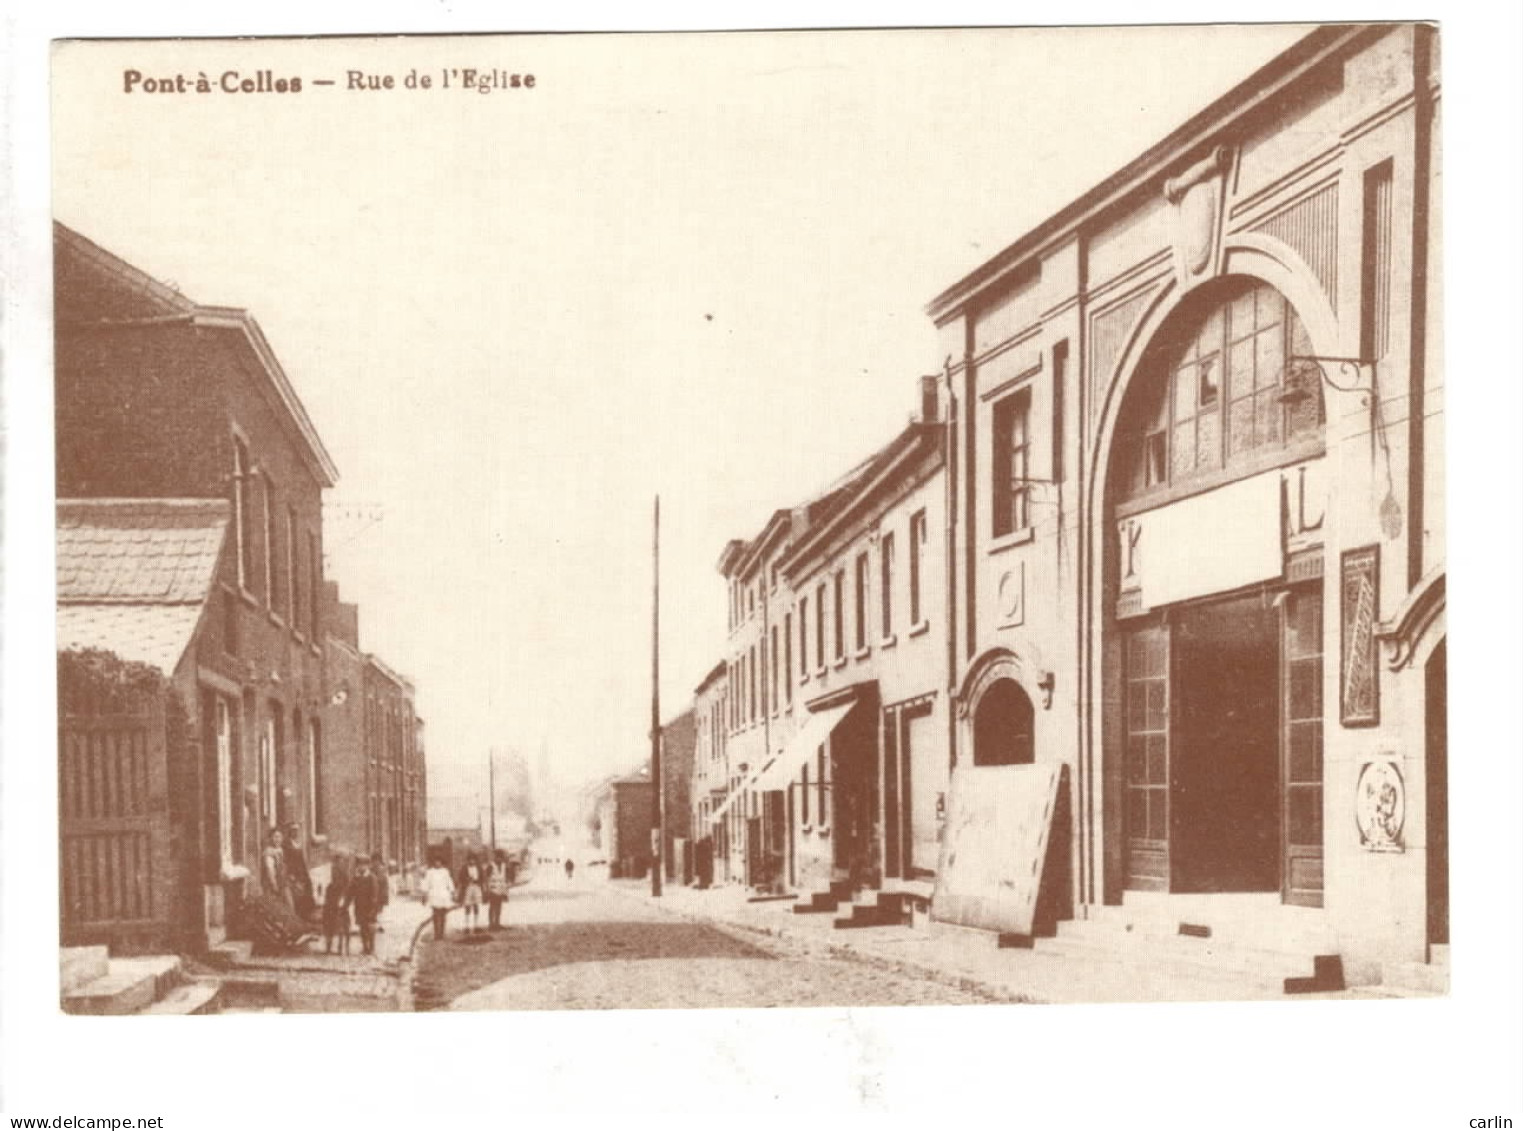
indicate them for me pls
(438, 893)
(570, 868)
(468, 885)
(378, 866)
(336, 906)
(365, 898)
(498, 876)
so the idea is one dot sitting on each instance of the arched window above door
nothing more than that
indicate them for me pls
(1002, 726)
(1218, 394)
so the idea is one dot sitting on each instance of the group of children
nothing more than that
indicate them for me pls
(359, 884)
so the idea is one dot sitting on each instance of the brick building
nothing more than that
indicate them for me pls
(158, 397)
(185, 457)
(678, 751)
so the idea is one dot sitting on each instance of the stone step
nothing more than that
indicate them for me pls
(1421, 977)
(190, 998)
(1187, 957)
(128, 985)
(80, 964)
(1284, 931)
(1292, 959)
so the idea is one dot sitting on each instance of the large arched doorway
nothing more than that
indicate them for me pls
(1213, 622)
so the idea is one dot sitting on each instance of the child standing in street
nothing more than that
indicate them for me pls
(336, 907)
(470, 893)
(365, 898)
(438, 893)
(497, 890)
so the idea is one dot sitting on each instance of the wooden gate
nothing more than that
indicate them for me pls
(113, 825)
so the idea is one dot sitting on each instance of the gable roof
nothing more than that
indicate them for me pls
(134, 575)
(96, 290)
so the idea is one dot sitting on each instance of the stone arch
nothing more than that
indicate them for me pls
(997, 711)
(1246, 255)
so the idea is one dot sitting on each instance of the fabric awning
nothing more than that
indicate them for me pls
(779, 771)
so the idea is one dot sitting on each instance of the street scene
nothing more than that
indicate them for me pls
(1084, 640)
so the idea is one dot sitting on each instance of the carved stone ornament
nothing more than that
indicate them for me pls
(1380, 806)
(1198, 199)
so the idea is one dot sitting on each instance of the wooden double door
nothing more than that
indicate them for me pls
(1222, 716)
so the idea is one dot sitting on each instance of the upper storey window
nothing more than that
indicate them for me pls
(1222, 395)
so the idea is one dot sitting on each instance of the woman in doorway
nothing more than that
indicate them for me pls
(438, 893)
(273, 875)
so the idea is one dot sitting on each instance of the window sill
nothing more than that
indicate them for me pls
(864, 651)
(804, 678)
(1015, 538)
(819, 672)
(277, 620)
(840, 662)
(248, 598)
(920, 628)
(888, 641)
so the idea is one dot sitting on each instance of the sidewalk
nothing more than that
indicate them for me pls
(963, 957)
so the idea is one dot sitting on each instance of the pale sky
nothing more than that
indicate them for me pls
(694, 265)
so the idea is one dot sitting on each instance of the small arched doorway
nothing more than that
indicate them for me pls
(1212, 649)
(1002, 725)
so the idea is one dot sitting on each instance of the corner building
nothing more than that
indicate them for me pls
(1197, 492)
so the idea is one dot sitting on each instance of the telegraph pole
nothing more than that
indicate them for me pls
(492, 796)
(658, 838)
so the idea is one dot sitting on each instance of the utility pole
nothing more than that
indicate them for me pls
(492, 796)
(658, 837)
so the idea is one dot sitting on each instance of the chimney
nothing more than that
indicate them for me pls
(930, 404)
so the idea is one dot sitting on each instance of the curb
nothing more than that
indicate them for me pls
(842, 950)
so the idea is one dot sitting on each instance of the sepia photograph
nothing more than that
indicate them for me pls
(824, 520)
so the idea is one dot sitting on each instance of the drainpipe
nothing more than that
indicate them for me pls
(1422, 110)
(949, 460)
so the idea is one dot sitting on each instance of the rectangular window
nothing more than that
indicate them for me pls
(886, 583)
(819, 625)
(751, 684)
(315, 584)
(1059, 395)
(315, 776)
(761, 676)
(1375, 316)
(773, 669)
(918, 534)
(804, 636)
(295, 599)
(225, 797)
(861, 601)
(268, 746)
(1010, 464)
(839, 595)
(788, 656)
(241, 514)
(273, 585)
(804, 794)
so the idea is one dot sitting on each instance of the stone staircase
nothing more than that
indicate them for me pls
(825, 902)
(1246, 942)
(878, 909)
(93, 982)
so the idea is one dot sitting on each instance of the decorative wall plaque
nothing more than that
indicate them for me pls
(1197, 196)
(1380, 806)
(1359, 692)
(1012, 595)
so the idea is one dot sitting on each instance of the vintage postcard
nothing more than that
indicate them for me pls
(739, 520)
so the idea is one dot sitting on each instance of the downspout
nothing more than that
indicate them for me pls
(1422, 108)
(949, 441)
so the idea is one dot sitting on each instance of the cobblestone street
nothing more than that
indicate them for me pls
(586, 945)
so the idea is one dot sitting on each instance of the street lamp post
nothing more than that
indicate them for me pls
(657, 834)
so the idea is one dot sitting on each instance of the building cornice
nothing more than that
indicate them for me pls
(1193, 137)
